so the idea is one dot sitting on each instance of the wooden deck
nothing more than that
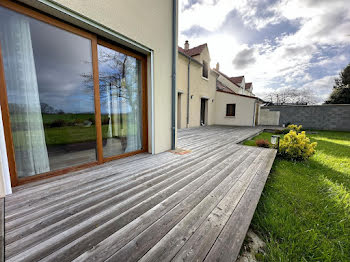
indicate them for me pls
(196, 206)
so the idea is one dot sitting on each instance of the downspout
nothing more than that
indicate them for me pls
(254, 112)
(173, 75)
(188, 93)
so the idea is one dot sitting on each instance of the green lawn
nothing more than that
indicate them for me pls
(263, 135)
(49, 118)
(304, 211)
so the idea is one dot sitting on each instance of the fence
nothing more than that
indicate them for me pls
(321, 117)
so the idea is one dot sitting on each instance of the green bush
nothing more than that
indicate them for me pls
(278, 132)
(58, 123)
(296, 128)
(296, 146)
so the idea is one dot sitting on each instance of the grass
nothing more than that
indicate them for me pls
(67, 134)
(264, 135)
(304, 211)
(49, 118)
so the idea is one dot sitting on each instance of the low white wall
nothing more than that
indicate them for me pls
(269, 118)
(245, 110)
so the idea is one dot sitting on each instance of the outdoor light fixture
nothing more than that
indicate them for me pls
(191, 96)
(275, 140)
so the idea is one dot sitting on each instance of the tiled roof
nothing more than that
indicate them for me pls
(193, 51)
(237, 79)
(248, 85)
(221, 87)
(227, 77)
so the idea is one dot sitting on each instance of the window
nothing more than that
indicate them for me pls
(63, 112)
(51, 105)
(230, 109)
(205, 69)
(120, 99)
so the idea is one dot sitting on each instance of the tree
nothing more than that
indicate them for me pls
(339, 95)
(296, 96)
(341, 88)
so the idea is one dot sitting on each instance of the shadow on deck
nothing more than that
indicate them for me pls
(196, 206)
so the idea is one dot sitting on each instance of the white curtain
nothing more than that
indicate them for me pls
(108, 101)
(23, 96)
(112, 109)
(133, 105)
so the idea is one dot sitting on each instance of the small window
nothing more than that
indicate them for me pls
(230, 109)
(205, 69)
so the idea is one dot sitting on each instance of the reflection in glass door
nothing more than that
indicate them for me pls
(120, 99)
(54, 103)
(50, 96)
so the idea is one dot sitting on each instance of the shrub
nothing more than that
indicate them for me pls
(278, 131)
(78, 122)
(58, 123)
(295, 128)
(92, 120)
(296, 146)
(105, 120)
(285, 131)
(262, 143)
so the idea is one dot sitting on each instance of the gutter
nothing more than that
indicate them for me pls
(87, 21)
(188, 92)
(235, 94)
(189, 57)
(173, 75)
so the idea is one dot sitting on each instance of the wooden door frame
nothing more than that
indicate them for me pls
(205, 113)
(15, 180)
(144, 114)
(179, 110)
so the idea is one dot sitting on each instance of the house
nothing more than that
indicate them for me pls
(83, 83)
(208, 96)
(195, 87)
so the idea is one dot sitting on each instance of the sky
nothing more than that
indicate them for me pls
(276, 44)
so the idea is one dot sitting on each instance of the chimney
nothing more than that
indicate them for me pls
(187, 45)
(217, 66)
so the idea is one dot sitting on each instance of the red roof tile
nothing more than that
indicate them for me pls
(227, 77)
(221, 87)
(193, 51)
(237, 79)
(248, 85)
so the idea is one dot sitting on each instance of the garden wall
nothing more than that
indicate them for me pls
(321, 117)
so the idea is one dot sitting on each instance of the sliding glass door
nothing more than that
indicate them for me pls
(120, 98)
(50, 99)
(71, 100)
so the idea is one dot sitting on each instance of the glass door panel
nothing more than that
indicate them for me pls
(48, 74)
(120, 98)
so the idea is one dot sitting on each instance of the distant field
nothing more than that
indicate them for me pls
(49, 118)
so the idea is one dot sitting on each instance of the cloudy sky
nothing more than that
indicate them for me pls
(276, 44)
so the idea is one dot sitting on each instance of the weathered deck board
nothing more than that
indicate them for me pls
(228, 244)
(96, 215)
(152, 208)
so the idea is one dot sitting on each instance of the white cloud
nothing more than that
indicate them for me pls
(206, 13)
(285, 60)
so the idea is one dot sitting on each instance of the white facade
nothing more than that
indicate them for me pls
(245, 110)
(216, 100)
